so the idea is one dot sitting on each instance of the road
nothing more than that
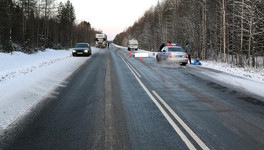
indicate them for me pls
(116, 102)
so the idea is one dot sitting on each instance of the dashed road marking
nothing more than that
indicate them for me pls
(165, 114)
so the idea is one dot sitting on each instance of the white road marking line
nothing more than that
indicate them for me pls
(173, 124)
(134, 70)
(191, 133)
(129, 66)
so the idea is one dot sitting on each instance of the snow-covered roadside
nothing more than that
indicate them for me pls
(28, 79)
(20, 64)
(249, 80)
(250, 73)
(25, 80)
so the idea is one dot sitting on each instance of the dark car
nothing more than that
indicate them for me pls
(82, 49)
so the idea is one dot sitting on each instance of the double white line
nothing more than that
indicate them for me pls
(166, 115)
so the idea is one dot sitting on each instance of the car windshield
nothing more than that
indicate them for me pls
(81, 46)
(176, 49)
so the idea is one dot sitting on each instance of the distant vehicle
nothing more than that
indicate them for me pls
(100, 40)
(82, 49)
(172, 54)
(132, 44)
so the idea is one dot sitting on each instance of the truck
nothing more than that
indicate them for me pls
(100, 40)
(132, 44)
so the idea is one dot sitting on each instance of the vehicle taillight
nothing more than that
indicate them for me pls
(170, 55)
(187, 55)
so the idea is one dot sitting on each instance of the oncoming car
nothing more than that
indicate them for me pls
(174, 54)
(82, 49)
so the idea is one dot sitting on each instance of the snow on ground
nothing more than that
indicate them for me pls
(246, 79)
(250, 73)
(25, 80)
(20, 64)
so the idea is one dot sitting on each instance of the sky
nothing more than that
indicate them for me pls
(111, 16)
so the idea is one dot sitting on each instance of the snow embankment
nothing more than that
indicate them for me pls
(25, 80)
(248, 80)
(250, 73)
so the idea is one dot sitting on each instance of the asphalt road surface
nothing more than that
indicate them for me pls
(117, 102)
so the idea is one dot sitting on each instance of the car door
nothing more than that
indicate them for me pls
(163, 53)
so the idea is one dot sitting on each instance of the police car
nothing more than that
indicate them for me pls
(173, 54)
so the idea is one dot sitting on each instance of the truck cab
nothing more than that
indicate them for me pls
(100, 40)
(132, 44)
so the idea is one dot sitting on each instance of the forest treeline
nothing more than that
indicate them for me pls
(35, 24)
(222, 30)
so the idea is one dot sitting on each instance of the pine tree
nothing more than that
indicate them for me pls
(6, 13)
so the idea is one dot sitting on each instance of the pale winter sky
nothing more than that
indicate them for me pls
(111, 16)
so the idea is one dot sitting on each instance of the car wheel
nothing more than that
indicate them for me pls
(157, 58)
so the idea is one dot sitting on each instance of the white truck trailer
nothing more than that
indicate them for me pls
(100, 40)
(132, 44)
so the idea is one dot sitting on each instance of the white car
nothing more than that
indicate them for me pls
(174, 54)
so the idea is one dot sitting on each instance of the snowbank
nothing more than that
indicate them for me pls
(25, 80)
(250, 73)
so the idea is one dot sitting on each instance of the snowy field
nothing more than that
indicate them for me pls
(25, 80)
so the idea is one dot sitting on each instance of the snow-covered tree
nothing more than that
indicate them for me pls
(226, 30)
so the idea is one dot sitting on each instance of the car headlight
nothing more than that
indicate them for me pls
(74, 51)
(86, 51)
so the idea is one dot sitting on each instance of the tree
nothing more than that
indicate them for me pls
(157, 24)
(6, 13)
(38, 24)
(224, 28)
(66, 17)
(217, 30)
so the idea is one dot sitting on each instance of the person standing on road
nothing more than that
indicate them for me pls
(188, 50)
(161, 46)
